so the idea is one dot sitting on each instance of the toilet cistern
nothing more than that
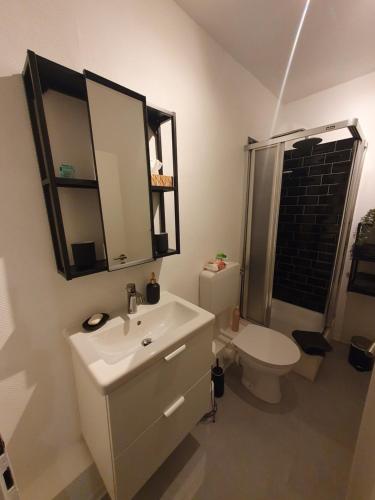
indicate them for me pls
(219, 293)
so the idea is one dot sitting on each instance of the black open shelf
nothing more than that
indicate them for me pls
(76, 183)
(365, 252)
(169, 252)
(101, 265)
(56, 77)
(41, 75)
(157, 116)
(363, 283)
(162, 189)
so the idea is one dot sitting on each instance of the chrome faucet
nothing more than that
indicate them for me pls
(134, 298)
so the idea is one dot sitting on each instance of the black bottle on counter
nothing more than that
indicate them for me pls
(153, 290)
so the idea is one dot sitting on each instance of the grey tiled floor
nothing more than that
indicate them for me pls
(298, 450)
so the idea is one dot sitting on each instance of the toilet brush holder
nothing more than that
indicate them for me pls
(217, 376)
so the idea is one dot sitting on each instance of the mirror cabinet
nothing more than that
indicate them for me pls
(108, 166)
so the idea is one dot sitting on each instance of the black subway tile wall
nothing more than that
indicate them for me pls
(311, 208)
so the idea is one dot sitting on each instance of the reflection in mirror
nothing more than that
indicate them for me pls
(118, 130)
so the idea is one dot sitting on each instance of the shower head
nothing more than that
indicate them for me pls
(307, 144)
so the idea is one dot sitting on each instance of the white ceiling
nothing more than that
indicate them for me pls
(337, 41)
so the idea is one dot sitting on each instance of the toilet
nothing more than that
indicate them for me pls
(264, 354)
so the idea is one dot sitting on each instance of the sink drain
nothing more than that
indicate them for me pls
(146, 341)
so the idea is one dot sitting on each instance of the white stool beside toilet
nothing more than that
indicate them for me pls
(265, 356)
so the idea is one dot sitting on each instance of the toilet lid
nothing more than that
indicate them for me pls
(268, 346)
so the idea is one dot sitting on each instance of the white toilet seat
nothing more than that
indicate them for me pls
(265, 356)
(267, 347)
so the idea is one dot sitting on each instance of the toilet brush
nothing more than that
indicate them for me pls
(218, 379)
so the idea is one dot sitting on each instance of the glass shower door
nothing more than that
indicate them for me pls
(261, 218)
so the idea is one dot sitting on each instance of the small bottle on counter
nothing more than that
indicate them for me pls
(153, 290)
(236, 319)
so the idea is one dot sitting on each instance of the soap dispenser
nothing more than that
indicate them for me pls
(153, 290)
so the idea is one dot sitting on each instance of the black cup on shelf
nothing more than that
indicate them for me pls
(161, 242)
(84, 254)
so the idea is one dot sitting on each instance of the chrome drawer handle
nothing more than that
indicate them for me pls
(175, 353)
(169, 411)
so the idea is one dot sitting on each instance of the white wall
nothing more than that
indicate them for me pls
(354, 99)
(154, 48)
(362, 477)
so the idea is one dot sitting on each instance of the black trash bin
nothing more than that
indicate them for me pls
(360, 355)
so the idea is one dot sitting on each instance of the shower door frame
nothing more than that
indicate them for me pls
(271, 228)
(360, 146)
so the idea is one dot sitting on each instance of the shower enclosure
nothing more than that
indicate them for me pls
(301, 190)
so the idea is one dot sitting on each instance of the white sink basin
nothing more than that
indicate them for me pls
(122, 338)
(115, 352)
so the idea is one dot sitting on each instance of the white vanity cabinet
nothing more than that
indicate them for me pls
(133, 428)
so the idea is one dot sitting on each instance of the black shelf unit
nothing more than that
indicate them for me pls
(162, 189)
(170, 251)
(76, 183)
(156, 117)
(101, 265)
(362, 281)
(39, 76)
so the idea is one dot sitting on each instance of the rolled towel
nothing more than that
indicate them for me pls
(211, 266)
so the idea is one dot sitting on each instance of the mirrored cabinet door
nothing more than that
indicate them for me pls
(118, 123)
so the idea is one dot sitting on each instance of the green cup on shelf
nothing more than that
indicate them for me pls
(67, 170)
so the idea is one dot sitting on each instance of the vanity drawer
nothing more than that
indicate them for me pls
(137, 464)
(138, 403)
